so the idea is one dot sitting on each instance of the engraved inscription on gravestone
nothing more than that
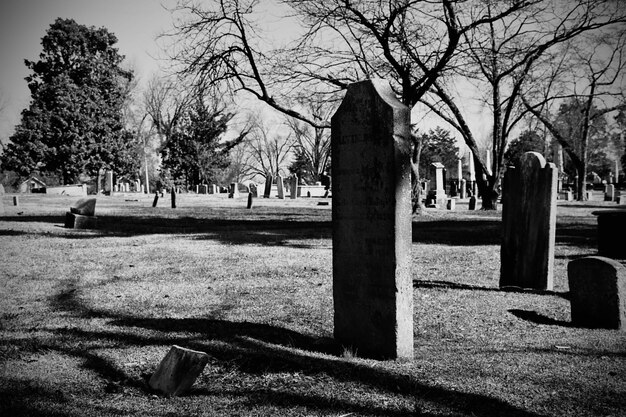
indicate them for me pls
(372, 283)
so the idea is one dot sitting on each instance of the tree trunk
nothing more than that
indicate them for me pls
(581, 185)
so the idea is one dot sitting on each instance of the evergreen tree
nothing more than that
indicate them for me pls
(528, 141)
(74, 123)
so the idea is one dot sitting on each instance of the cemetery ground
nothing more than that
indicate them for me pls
(87, 315)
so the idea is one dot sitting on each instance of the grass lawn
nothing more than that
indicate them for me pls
(86, 316)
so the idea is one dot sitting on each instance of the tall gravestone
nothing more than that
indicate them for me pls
(268, 186)
(280, 190)
(372, 283)
(529, 224)
(293, 188)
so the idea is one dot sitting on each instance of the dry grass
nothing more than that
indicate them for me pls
(85, 316)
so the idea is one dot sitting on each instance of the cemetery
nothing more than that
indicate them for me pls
(313, 208)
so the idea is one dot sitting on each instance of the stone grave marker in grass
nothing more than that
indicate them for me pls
(597, 292)
(178, 371)
(268, 185)
(372, 282)
(82, 215)
(529, 224)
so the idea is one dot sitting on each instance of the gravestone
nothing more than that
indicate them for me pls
(597, 292)
(82, 215)
(293, 187)
(250, 198)
(371, 210)
(471, 205)
(16, 200)
(451, 205)
(233, 191)
(280, 191)
(156, 199)
(173, 197)
(268, 186)
(108, 182)
(529, 224)
(178, 371)
(611, 229)
(438, 192)
(463, 188)
(85, 207)
(609, 192)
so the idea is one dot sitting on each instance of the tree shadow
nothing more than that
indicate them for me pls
(257, 349)
(457, 232)
(534, 317)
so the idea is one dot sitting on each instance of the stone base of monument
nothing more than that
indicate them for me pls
(178, 371)
(78, 221)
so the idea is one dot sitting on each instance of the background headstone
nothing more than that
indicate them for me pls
(529, 224)
(173, 197)
(280, 191)
(233, 191)
(372, 282)
(597, 292)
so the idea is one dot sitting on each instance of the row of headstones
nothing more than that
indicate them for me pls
(281, 186)
(372, 282)
(597, 284)
(125, 187)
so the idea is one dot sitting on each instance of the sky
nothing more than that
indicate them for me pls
(23, 23)
(136, 24)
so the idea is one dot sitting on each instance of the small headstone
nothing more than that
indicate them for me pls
(597, 292)
(451, 204)
(16, 200)
(178, 370)
(108, 182)
(250, 197)
(589, 195)
(609, 192)
(156, 199)
(611, 228)
(472, 203)
(463, 188)
(85, 207)
(173, 195)
(529, 224)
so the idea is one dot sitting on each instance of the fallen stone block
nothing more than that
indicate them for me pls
(178, 371)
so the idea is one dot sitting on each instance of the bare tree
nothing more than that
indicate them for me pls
(271, 149)
(500, 58)
(594, 80)
(411, 43)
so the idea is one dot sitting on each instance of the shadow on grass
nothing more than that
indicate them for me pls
(534, 317)
(258, 349)
(458, 286)
(285, 228)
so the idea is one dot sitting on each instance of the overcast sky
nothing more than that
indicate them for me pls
(23, 23)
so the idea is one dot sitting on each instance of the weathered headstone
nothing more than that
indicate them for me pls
(293, 187)
(173, 197)
(250, 197)
(178, 371)
(85, 207)
(156, 199)
(597, 292)
(372, 282)
(280, 191)
(268, 186)
(16, 200)
(529, 224)
(108, 182)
